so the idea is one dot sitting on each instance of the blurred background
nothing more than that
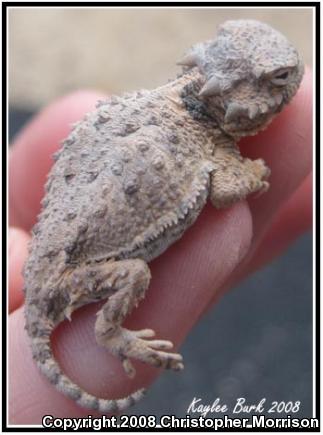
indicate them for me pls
(57, 50)
(257, 342)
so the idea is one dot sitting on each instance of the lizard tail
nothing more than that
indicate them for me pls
(42, 353)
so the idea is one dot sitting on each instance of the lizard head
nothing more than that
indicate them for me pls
(248, 73)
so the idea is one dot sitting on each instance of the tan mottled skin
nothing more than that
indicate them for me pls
(134, 175)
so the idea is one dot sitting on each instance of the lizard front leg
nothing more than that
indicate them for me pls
(236, 177)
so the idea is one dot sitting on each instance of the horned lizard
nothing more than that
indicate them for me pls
(134, 175)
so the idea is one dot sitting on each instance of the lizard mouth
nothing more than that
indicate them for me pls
(248, 119)
(244, 127)
(239, 120)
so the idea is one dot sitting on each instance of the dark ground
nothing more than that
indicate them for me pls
(256, 343)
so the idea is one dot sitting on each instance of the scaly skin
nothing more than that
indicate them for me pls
(134, 175)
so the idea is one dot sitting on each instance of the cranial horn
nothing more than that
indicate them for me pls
(278, 98)
(258, 71)
(211, 87)
(233, 111)
(189, 60)
(253, 112)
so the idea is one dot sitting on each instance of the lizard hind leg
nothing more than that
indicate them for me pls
(130, 280)
(85, 284)
(124, 284)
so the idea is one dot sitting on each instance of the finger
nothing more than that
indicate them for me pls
(183, 282)
(174, 303)
(31, 154)
(286, 146)
(18, 248)
(291, 221)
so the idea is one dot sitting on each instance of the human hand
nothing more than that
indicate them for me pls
(221, 248)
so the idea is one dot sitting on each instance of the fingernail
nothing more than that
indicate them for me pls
(13, 234)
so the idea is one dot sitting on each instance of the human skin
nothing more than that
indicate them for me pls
(221, 248)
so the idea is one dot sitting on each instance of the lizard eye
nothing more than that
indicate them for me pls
(280, 78)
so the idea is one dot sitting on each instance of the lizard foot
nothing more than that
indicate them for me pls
(137, 345)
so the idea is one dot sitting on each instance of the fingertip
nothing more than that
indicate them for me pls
(291, 221)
